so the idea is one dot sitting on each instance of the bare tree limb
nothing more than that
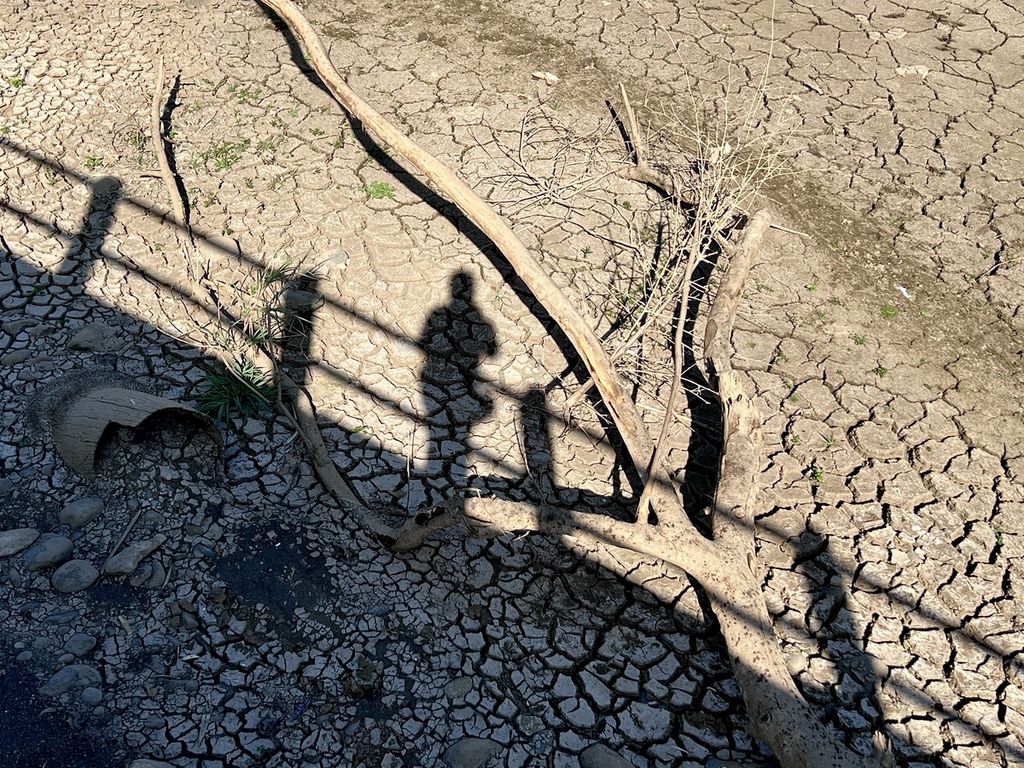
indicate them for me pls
(778, 713)
(643, 171)
(571, 320)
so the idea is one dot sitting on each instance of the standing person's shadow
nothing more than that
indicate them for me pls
(455, 339)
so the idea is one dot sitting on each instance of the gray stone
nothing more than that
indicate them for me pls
(95, 337)
(64, 616)
(470, 752)
(458, 687)
(15, 540)
(128, 559)
(71, 676)
(149, 574)
(599, 756)
(15, 358)
(48, 551)
(74, 576)
(92, 696)
(80, 644)
(82, 511)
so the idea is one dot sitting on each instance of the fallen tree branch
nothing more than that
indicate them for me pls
(642, 171)
(578, 327)
(779, 715)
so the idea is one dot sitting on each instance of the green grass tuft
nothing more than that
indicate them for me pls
(235, 393)
(379, 190)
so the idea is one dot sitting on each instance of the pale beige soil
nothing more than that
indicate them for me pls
(893, 506)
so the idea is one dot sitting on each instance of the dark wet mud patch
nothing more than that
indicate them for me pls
(273, 567)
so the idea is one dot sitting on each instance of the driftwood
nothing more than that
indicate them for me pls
(293, 402)
(725, 567)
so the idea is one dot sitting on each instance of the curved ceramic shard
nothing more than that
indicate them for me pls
(80, 432)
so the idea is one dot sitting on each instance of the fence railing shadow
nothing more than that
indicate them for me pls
(447, 365)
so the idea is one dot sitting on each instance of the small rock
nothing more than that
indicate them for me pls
(95, 337)
(71, 676)
(599, 756)
(74, 576)
(80, 644)
(301, 301)
(15, 540)
(128, 559)
(48, 551)
(15, 358)
(84, 510)
(149, 574)
(458, 687)
(24, 656)
(470, 752)
(365, 679)
(92, 696)
(64, 616)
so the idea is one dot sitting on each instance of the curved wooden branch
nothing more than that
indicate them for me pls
(440, 178)
(743, 439)
(642, 171)
(301, 413)
(778, 712)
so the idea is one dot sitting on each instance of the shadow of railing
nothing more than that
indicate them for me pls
(86, 246)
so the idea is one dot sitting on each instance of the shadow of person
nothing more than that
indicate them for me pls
(455, 340)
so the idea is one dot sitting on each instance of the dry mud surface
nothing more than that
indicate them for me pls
(270, 628)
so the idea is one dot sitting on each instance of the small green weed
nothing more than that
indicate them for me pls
(860, 339)
(379, 190)
(269, 145)
(92, 162)
(880, 372)
(15, 82)
(889, 312)
(244, 94)
(239, 392)
(226, 154)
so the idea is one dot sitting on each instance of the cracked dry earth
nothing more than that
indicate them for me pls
(267, 627)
